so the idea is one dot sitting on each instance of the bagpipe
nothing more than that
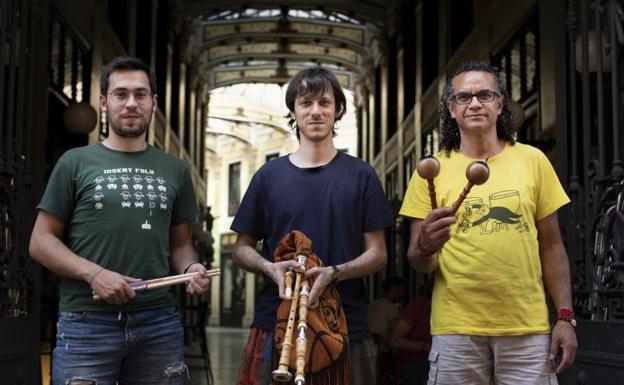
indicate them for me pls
(322, 343)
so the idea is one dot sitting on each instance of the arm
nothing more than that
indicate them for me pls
(400, 340)
(246, 256)
(184, 256)
(427, 236)
(371, 260)
(47, 248)
(556, 271)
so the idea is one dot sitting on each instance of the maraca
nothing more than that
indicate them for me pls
(477, 173)
(428, 167)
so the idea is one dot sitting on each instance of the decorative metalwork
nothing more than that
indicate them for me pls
(18, 274)
(595, 229)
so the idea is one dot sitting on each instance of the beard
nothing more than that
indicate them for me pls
(128, 131)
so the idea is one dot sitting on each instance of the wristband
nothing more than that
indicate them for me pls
(566, 315)
(188, 267)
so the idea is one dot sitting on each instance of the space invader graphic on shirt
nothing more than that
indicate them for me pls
(137, 187)
(500, 213)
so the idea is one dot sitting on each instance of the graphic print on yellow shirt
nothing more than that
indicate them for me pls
(489, 278)
(500, 212)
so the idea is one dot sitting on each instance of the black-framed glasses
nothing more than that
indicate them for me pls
(121, 95)
(484, 96)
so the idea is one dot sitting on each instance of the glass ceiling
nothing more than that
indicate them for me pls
(250, 13)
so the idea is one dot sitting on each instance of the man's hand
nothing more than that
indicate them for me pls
(323, 277)
(277, 272)
(113, 288)
(435, 230)
(564, 337)
(198, 284)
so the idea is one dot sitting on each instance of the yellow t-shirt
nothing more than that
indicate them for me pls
(489, 279)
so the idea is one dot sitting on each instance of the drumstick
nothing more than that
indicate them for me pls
(281, 374)
(428, 167)
(301, 338)
(477, 173)
(166, 281)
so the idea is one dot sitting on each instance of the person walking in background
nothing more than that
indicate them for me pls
(382, 314)
(412, 338)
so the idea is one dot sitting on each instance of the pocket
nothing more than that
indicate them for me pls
(72, 316)
(434, 356)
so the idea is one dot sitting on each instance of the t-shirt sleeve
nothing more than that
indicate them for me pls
(416, 203)
(550, 194)
(377, 213)
(248, 219)
(185, 207)
(60, 194)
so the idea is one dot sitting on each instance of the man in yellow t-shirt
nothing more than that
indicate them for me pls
(489, 316)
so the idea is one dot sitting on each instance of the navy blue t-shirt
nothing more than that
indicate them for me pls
(333, 205)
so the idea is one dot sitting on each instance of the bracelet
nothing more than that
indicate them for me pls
(94, 274)
(566, 315)
(188, 267)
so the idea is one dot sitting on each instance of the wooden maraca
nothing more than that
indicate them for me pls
(477, 173)
(428, 167)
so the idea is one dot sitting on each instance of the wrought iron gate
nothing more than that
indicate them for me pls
(594, 223)
(21, 180)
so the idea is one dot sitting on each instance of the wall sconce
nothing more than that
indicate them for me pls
(593, 53)
(80, 118)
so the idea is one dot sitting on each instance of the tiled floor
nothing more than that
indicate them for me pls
(225, 346)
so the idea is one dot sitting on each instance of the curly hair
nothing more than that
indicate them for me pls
(449, 131)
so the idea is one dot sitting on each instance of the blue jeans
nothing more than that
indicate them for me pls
(143, 347)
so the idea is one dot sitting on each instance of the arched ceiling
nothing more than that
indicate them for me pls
(269, 41)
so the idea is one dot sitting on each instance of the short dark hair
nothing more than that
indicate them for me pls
(121, 63)
(449, 131)
(392, 281)
(313, 82)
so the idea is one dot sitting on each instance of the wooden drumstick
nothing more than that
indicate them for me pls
(281, 374)
(156, 283)
(288, 282)
(428, 167)
(477, 173)
(301, 338)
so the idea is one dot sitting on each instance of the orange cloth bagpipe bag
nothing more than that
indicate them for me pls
(327, 342)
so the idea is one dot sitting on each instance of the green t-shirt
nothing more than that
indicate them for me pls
(118, 208)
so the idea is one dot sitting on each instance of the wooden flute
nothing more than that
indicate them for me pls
(301, 338)
(171, 280)
(281, 374)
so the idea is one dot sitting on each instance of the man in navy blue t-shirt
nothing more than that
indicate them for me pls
(332, 197)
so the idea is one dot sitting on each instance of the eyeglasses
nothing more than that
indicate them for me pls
(122, 95)
(484, 96)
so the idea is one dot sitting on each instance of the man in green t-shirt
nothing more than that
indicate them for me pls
(114, 213)
(495, 258)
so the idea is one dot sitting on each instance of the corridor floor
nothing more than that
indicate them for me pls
(225, 346)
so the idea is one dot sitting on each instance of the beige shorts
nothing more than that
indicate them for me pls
(457, 359)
